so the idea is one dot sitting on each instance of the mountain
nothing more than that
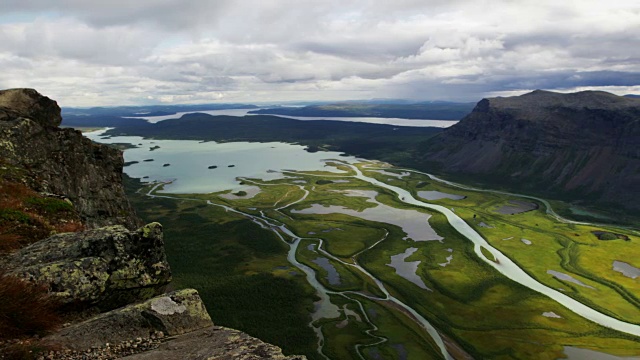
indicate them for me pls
(424, 110)
(580, 146)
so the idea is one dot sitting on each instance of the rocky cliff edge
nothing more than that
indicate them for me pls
(70, 243)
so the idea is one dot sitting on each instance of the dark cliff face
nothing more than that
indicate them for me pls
(583, 145)
(36, 152)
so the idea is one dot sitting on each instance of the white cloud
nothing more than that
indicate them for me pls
(87, 52)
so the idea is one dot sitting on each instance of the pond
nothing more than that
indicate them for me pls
(626, 269)
(564, 277)
(407, 269)
(332, 274)
(437, 195)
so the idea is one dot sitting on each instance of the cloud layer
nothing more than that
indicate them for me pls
(85, 52)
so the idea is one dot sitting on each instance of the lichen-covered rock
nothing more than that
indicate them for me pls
(61, 161)
(107, 267)
(175, 313)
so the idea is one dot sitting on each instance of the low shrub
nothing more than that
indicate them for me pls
(26, 309)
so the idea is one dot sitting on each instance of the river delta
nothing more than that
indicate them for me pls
(403, 265)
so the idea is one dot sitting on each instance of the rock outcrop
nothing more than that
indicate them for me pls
(171, 326)
(583, 145)
(173, 314)
(217, 343)
(106, 267)
(36, 152)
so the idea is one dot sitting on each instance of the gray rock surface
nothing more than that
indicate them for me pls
(61, 161)
(217, 343)
(30, 104)
(175, 313)
(108, 267)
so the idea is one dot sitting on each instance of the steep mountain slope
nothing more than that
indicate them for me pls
(584, 145)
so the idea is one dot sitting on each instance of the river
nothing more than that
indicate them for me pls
(504, 265)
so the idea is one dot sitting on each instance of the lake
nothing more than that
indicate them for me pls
(189, 161)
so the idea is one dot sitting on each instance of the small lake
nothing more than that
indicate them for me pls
(575, 353)
(517, 207)
(626, 269)
(564, 277)
(437, 195)
(332, 274)
(189, 162)
(407, 269)
(371, 120)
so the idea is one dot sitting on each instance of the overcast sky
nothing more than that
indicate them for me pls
(117, 52)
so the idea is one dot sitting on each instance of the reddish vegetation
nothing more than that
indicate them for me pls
(26, 216)
(25, 308)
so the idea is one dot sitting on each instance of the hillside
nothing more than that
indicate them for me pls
(584, 146)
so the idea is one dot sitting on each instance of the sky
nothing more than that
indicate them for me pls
(124, 52)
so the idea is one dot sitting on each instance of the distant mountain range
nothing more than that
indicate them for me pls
(149, 110)
(584, 145)
(437, 110)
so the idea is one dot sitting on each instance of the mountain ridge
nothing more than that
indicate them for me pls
(581, 145)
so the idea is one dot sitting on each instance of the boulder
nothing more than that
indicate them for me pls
(175, 313)
(107, 267)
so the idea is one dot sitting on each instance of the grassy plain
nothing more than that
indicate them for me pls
(564, 247)
(486, 314)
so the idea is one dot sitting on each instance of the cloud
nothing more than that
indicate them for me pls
(87, 52)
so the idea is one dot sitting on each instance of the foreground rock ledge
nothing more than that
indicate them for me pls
(175, 313)
(182, 319)
(217, 343)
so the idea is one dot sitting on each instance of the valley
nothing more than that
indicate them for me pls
(348, 258)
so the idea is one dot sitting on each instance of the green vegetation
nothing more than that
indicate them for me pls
(49, 205)
(483, 313)
(239, 269)
(488, 254)
(608, 236)
(26, 216)
(7, 215)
